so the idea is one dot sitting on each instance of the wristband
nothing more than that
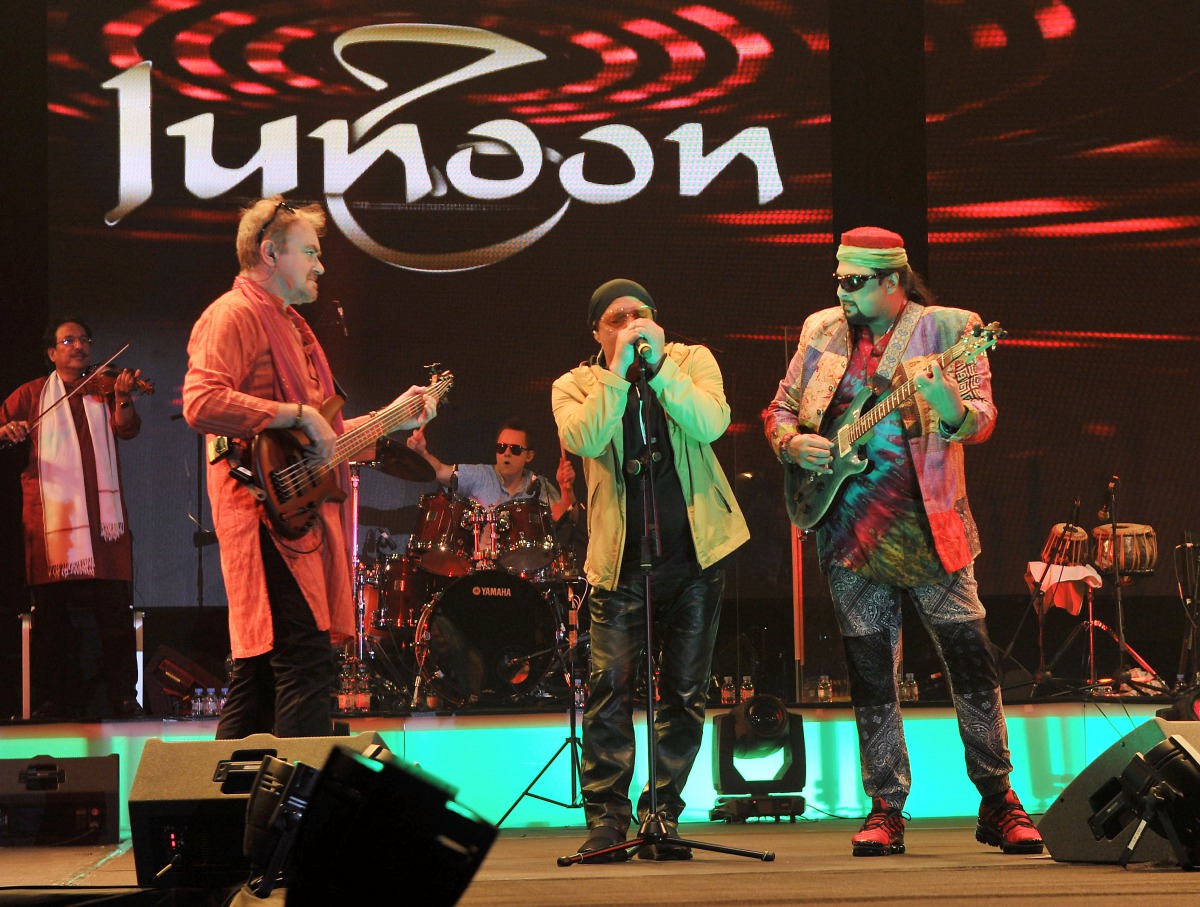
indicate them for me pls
(299, 421)
(784, 456)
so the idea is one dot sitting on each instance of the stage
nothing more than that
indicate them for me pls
(490, 761)
(812, 866)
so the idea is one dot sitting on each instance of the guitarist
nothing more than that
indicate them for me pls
(903, 525)
(255, 365)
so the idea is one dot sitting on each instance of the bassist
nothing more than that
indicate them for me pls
(255, 366)
(901, 526)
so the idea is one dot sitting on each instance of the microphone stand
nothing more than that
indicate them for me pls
(653, 830)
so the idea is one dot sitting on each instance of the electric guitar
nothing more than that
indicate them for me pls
(292, 489)
(810, 494)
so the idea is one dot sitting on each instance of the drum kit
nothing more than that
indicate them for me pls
(482, 607)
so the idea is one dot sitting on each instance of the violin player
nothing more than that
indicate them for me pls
(78, 543)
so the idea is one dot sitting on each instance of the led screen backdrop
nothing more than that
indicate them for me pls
(487, 164)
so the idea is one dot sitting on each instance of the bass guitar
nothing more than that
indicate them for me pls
(810, 494)
(292, 489)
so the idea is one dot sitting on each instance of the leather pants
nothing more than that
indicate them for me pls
(686, 609)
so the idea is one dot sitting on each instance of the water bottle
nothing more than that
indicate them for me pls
(362, 691)
(345, 691)
(728, 695)
(747, 687)
(824, 689)
(580, 694)
(222, 700)
(209, 709)
(1180, 685)
(197, 703)
(908, 692)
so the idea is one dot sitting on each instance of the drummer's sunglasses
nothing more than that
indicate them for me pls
(515, 449)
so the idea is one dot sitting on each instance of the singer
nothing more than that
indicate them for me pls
(254, 364)
(599, 412)
(903, 526)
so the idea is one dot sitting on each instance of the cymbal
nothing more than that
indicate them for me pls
(399, 461)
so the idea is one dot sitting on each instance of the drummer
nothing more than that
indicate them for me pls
(510, 478)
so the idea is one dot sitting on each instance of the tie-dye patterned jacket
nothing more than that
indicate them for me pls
(819, 363)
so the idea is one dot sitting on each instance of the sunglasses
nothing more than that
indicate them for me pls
(620, 319)
(852, 282)
(262, 231)
(514, 449)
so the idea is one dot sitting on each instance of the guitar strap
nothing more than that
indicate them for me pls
(901, 335)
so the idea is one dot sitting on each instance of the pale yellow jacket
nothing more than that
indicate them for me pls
(589, 404)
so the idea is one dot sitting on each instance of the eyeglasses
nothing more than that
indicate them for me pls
(262, 231)
(852, 282)
(618, 320)
(71, 340)
(514, 449)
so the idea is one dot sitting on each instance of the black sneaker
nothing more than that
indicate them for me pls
(665, 850)
(599, 839)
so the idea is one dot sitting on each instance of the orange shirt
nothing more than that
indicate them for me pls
(232, 388)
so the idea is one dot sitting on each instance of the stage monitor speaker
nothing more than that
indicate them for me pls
(45, 800)
(187, 807)
(1064, 827)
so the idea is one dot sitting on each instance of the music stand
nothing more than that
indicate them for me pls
(653, 830)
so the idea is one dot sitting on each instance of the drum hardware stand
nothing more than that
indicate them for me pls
(1189, 657)
(572, 742)
(1037, 603)
(653, 830)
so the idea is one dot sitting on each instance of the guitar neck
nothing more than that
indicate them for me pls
(381, 423)
(886, 405)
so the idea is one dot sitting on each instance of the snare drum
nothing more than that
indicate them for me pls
(1136, 549)
(524, 535)
(1066, 549)
(444, 540)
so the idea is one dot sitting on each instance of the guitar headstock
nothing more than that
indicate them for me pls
(980, 339)
(440, 380)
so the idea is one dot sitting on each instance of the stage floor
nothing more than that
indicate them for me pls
(812, 865)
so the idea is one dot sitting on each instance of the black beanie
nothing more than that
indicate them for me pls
(615, 289)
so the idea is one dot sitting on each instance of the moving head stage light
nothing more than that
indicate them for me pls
(759, 728)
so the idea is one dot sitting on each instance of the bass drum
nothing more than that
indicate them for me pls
(491, 636)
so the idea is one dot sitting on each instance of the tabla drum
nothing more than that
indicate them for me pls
(490, 636)
(404, 591)
(444, 539)
(1066, 548)
(523, 535)
(1136, 549)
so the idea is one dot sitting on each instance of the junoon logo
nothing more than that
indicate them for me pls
(277, 154)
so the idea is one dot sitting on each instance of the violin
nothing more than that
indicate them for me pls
(102, 382)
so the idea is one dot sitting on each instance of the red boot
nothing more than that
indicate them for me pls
(1006, 825)
(882, 833)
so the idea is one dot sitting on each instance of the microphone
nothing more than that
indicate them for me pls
(1075, 515)
(535, 488)
(642, 347)
(1103, 513)
(341, 317)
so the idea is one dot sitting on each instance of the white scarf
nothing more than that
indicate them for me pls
(60, 471)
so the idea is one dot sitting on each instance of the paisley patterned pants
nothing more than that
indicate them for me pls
(870, 620)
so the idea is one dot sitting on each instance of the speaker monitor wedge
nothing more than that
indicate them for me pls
(47, 800)
(187, 806)
(1064, 827)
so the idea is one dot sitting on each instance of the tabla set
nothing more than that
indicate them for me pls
(483, 603)
(1136, 549)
